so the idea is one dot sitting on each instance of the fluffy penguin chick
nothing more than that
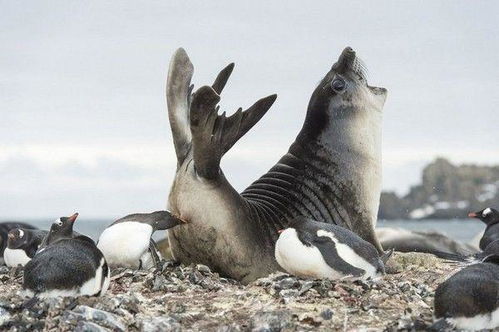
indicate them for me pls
(127, 242)
(308, 248)
(469, 299)
(69, 265)
(22, 245)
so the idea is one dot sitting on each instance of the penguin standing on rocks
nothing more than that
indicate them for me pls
(5, 228)
(69, 265)
(308, 248)
(469, 299)
(127, 242)
(491, 218)
(22, 245)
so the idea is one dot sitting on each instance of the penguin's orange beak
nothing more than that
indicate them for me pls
(11, 236)
(472, 215)
(73, 217)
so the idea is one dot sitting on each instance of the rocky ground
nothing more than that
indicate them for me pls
(177, 298)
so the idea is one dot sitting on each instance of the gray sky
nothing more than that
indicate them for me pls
(83, 117)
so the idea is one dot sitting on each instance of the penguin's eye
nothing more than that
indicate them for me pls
(59, 222)
(338, 84)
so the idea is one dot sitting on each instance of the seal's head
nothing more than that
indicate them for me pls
(343, 93)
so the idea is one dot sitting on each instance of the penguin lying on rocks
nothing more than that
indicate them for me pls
(69, 265)
(490, 217)
(5, 228)
(22, 245)
(469, 299)
(308, 248)
(127, 241)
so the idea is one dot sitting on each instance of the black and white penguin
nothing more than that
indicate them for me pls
(469, 299)
(308, 248)
(5, 228)
(68, 265)
(491, 218)
(22, 245)
(127, 242)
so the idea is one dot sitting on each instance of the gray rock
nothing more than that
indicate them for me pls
(83, 326)
(287, 283)
(160, 324)
(101, 317)
(270, 321)
(327, 314)
(159, 283)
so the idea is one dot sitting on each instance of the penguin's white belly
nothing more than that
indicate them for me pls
(478, 322)
(123, 244)
(304, 261)
(15, 257)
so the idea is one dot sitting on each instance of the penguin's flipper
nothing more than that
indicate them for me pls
(440, 325)
(212, 134)
(178, 98)
(327, 247)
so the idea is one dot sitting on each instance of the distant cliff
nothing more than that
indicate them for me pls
(447, 191)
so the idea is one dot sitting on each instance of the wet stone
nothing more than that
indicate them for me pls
(270, 321)
(160, 324)
(327, 314)
(97, 316)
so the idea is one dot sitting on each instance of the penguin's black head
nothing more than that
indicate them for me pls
(306, 229)
(17, 238)
(342, 93)
(489, 216)
(62, 227)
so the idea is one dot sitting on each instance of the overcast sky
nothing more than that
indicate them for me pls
(83, 122)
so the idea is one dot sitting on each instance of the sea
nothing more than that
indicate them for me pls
(463, 230)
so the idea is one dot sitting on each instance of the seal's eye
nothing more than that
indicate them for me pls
(338, 84)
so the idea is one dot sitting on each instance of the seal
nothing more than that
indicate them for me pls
(331, 173)
(318, 250)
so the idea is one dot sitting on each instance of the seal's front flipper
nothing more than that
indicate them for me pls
(212, 134)
(178, 96)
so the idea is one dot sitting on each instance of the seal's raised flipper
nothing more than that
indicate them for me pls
(178, 97)
(212, 134)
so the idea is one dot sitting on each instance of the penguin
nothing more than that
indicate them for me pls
(469, 299)
(68, 265)
(308, 248)
(5, 228)
(490, 217)
(127, 241)
(22, 245)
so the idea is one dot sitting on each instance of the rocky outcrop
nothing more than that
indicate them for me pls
(446, 191)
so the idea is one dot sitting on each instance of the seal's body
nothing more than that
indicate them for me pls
(127, 242)
(331, 173)
(68, 265)
(469, 299)
(318, 250)
(22, 245)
